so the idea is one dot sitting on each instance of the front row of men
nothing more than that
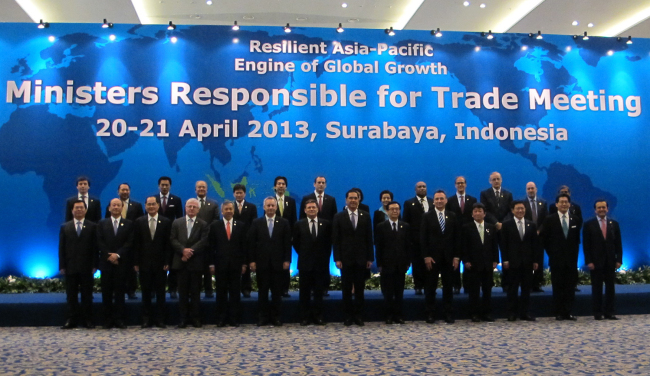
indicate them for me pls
(188, 244)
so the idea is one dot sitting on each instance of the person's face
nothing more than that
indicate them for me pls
(79, 211)
(519, 211)
(352, 201)
(270, 207)
(601, 209)
(201, 189)
(563, 205)
(495, 180)
(461, 185)
(421, 189)
(393, 212)
(124, 192)
(320, 185)
(115, 207)
(228, 211)
(311, 210)
(531, 190)
(164, 186)
(151, 206)
(385, 199)
(565, 191)
(239, 195)
(83, 186)
(280, 187)
(478, 214)
(192, 208)
(439, 201)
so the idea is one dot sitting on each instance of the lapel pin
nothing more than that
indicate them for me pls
(121, 224)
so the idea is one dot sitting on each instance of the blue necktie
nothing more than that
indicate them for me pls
(270, 227)
(565, 226)
(441, 218)
(78, 228)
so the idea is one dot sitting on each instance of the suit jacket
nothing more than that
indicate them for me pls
(442, 247)
(78, 254)
(269, 252)
(574, 210)
(198, 241)
(313, 253)
(517, 252)
(352, 246)
(133, 212)
(174, 207)
(562, 252)
(598, 250)
(93, 212)
(110, 242)
(210, 211)
(496, 212)
(453, 206)
(152, 254)
(412, 212)
(247, 215)
(480, 255)
(228, 254)
(393, 248)
(542, 211)
(329, 206)
(289, 211)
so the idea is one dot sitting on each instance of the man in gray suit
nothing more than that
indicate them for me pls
(208, 211)
(189, 240)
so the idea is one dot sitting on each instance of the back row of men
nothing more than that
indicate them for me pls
(433, 235)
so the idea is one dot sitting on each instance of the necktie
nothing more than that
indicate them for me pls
(152, 227)
(603, 228)
(353, 219)
(164, 203)
(480, 233)
(281, 206)
(190, 223)
(239, 205)
(533, 210)
(228, 229)
(320, 202)
(125, 208)
(115, 224)
(313, 229)
(498, 194)
(394, 226)
(521, 229)
(270, 227)
(422, 203)
(202, 203)
(78, 228)
(441, 218)
(84, 200)
(565, 226)
(462, 203)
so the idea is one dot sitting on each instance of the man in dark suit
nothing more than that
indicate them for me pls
(269, 244)
(245, 212)
(603, 250)
(393, 253)
(228, 263)
(286, 210)
(78, 258)
(414, 208)
(520, 255)
(574, 209)
(171, 206)
(131, 210)
(536, 211)
(460, 204)
(152, 257)
(189, 241)
(312, 240)
(480, 254)
(496, 201)
(353, 254)
(560, 236)
(208, 212)
(115, 242)
(93, 206)
(440, 245)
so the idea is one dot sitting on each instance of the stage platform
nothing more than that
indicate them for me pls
(49, 309)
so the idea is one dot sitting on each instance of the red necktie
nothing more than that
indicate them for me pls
(228, 229)
(320, 203)
(603, 228)
(462, 204)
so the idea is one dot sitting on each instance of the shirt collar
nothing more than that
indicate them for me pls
(155, 217)
(350, 211)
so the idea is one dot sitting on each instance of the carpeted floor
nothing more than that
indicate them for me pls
(545, 347)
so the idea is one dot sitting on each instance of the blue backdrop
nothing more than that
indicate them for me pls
(361, 107)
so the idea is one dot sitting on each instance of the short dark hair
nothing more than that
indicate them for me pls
(79, 201)
(601, 200)
(156, 197)
(392, 203)
(239, 187)
(165, 178)
(441, 191)
(557, 199)
(275, 182)
(311, 201)
(515, 203)
(83, 178)
(127, 184)
(320, 176)
(478, 205)
(353, 190)
(564, 187)
(386, 192)
(360, 193)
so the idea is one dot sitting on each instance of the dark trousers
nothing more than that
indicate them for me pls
(131, 277)
(172, 281)
(599, 276)
(353, 275)
(457, 280)
(519, 277)
(538, 277)
(447, 273)
(393, 287)
(113, 283)
(246, 281)
(153, 282)
(312, 281)
(228, 285)
(419, 269)
(286, 281)
(269, 279)
(207, 280)
(189, 294)
(480, 281)
(564, 281)
(75, 283)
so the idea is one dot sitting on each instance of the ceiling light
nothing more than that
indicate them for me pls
(287, 29)
(488, 35)
(626, 24)
(590, 24)
(482, 5)
(235, 26)
(43, 25)
(390, 31)
(209, 2)
(340, 28)
(344, 5)
(436, 32)
(585, 37)
(408, 11)
(171, 26)
(106, 24)
(466, 3)
(575, 23)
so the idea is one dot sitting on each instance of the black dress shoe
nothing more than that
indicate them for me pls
(611, 317)
(286, 295)
(359, 322)
(182, 325)
(512, 318)
(246, 294)
(527, 317)
(598, 317)
(173, 295)
(559, 318)
(476, 318)
(430, 319)
(536, 289)
(389, 322)
(418, 291)
(276, 322)
(221, 324)
(319, 321)
(160, 324)
(449, 319)
(456, 291)
(348, 322)
(570, 317)
(304, 323)
(196, 323)
(487, 318)
(399, 321)
(69, 325)
(132, 296)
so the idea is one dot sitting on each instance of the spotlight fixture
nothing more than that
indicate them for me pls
(287, 29)
(235, 27)
(171, 26)
(106, 24)
(390, 31)
(43, 25)
(488, 35)
(436, 32)
(627, 41)
(585, 37)
(340, 28)
(536, 36)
